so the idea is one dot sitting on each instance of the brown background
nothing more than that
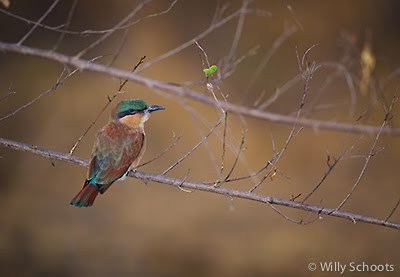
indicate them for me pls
(158, 230)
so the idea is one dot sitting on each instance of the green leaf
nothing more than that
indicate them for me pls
(211, 70)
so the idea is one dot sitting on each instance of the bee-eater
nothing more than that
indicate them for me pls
(119, 146)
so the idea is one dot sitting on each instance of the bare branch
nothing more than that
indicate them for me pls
(158, 178)
(180, 91)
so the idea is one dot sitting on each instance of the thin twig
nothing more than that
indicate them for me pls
(159, 155)
(300, 222)
(205, 61)
(211, 28)
(60, 28)
(224, 143)
(121, 45)
(197, 118)
(114, 29)
(275, 46)
(66, 25)
(252, 175)
(280, 91)
(340, 69)
(59, 82)
(393, 210)
(209, 86)
(291, 11)
(238, 32)
(370, 154)
(230, 68)
(308, 74)
(52, 6)
(219, 183)
(194, 148)
(183, 182)
(331, 166)
(6, 95)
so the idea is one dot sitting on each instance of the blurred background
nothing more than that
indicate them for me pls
(153, 229)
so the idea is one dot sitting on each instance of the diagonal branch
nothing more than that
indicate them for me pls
(158, 178)
(184, 92)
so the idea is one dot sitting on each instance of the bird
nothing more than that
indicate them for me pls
(118, 147)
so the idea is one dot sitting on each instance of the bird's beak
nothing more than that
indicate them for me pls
(154, 108)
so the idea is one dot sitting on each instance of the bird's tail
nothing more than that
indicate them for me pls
(86, 196)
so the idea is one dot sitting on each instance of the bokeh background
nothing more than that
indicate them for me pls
(157, 230)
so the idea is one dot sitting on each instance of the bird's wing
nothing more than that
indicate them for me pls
(116, 148)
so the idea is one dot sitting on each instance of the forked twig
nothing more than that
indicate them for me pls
(331, 166)
(307, 73)
(219, 183)
(371, 152)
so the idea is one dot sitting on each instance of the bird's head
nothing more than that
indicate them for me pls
(134, 112)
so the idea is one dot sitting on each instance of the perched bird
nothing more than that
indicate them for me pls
(119, 146)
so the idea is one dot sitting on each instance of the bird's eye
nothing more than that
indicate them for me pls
(131, 111)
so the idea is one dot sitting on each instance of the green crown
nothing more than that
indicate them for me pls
(135, 104)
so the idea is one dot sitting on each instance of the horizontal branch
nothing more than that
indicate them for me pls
(180, 91)
(204, 187)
